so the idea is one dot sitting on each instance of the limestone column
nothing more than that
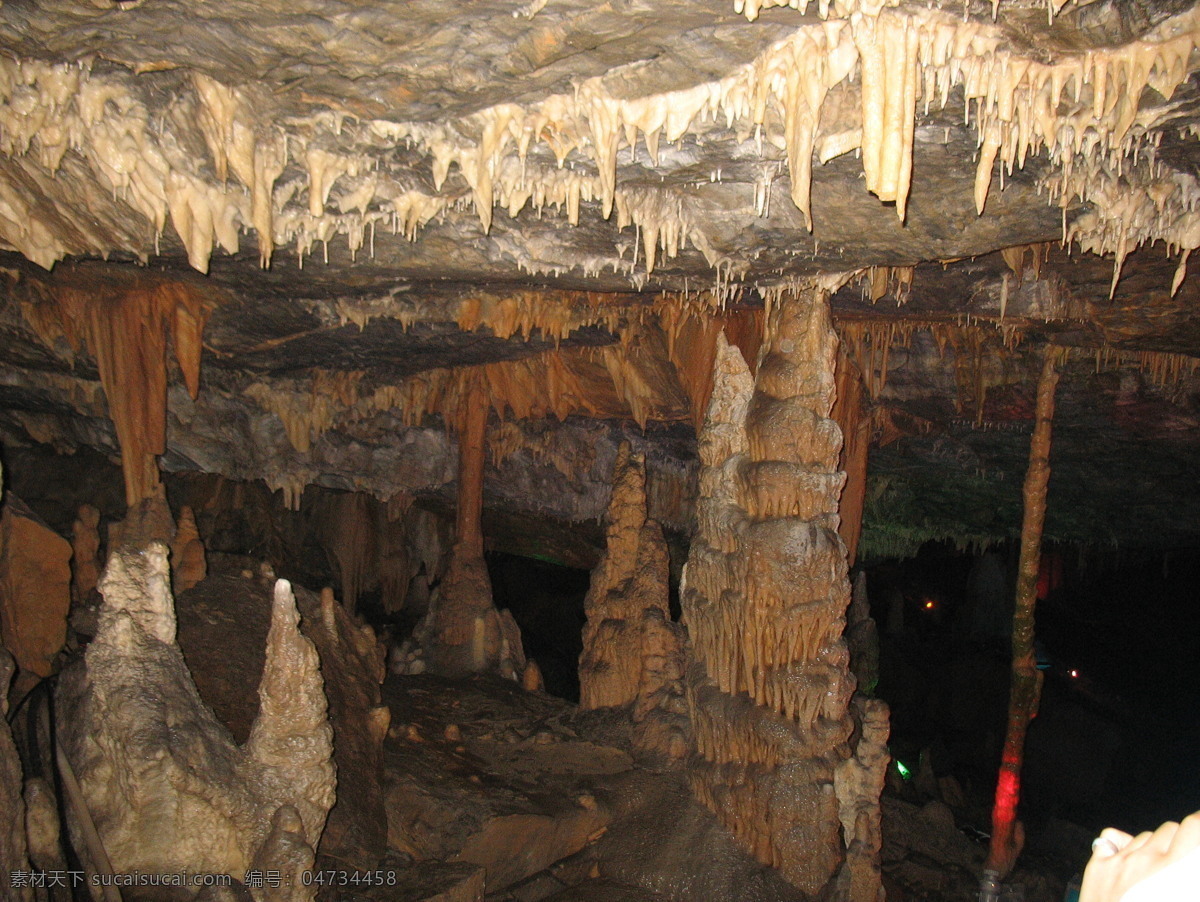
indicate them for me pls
(764, 598)
(1025, 690)
(463, 632)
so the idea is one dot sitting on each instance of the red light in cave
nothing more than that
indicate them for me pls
(1074, 673)
(929, 605)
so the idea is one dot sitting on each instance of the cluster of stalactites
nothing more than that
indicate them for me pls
(627, 378)
(319, 178)
(127, 332)
(977, 347)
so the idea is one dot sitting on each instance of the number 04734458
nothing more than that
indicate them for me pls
(349, 878)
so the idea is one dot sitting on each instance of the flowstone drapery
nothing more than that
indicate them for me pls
(764, 598)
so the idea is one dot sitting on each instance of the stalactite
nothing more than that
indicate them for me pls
(352, 538)
(472, 434)
(395, 563)
(856, 439)
(1164, 369)
(1007, 835)
(1079, 108)
(127, 329)
(977, 346)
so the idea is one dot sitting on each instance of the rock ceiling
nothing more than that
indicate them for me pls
(330, 211)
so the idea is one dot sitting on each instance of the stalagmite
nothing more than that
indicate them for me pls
(35, 592)
(858, 782)
(168, 789)
(531, 679)
(85, 553)
(632, 651)
(764, 597)
(188, 564)
(1007, 833)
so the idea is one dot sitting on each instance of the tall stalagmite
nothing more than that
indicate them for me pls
(632, 651)
(167, 787)
(764, 597)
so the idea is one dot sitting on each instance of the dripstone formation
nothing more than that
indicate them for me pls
(764, 599)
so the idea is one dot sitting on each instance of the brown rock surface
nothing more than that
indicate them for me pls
(13, 856)
(438, 881)
(35, 591)
(85, 553)
(512, 793)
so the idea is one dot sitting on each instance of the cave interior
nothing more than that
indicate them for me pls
(500, 451)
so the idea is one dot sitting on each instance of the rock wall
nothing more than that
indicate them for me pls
(764, 596)
(13, 856)
(35, 592)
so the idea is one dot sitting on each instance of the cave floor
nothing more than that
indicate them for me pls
(490, 791)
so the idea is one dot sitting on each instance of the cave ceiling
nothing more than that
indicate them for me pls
(354, 205)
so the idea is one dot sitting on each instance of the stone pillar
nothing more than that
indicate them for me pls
(764, 597)
(463, 633)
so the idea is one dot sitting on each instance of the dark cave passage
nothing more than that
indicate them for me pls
(547, 601)
(1115, 740)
